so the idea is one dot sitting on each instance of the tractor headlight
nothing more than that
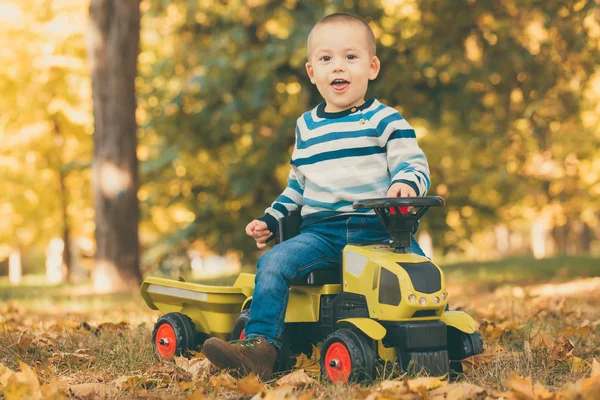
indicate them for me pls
(422, 301)
(436, 300)
(412, 298)
(443, 296)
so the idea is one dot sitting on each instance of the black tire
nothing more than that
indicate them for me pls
(240, 324)
(431, 363)
(360, 350)
(462, 345)
(185, 334)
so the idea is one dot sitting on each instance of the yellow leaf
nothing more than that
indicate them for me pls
(296, 378)
(250, 384)
(426, 382)
(51, 391)
(15, 390)
(578, 365)
(280, 393)
(397, 387)
(93, 390)
(312, 366)
(5, 373)
(523, 386)
(582, 331)
(595, 368)
(129, 382)
(199, 368)
(224, 380)
(456, 391)
(197, 395)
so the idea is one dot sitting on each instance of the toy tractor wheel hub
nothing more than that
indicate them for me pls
(338, 362)
(166, 341)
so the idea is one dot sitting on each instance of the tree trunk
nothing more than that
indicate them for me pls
(64, 203)
(114, 45)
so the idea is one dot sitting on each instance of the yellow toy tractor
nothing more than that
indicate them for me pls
(384, 304)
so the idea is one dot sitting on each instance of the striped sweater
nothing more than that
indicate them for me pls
(346, 156)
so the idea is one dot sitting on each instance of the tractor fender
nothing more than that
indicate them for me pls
(246, 304)
(459, 320)
(369, 327)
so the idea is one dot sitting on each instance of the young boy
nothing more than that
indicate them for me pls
(346, 149)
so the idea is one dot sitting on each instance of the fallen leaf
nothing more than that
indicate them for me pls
(78, 358)
(581, 331)
(199, 368)
(542, 341)
(109, 327)
(280, 393)
(427, 382)
(197, 395)
(312, 365)
(250, 384)
(562, 349)
(523, 386)
(595, 368)
(475, 361)
(224, 380)
(296, 378)
(93, 390)
(129, 382)
(51, 391)
(456, 391)
(578, 365)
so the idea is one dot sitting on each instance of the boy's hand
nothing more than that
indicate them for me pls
(400, 189)
(259, 231)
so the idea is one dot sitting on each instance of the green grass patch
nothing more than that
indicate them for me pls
(521, 270)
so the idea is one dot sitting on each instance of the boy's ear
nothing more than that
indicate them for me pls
(374, 68)
(310, 72)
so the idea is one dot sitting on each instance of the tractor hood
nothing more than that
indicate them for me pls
(397, 287)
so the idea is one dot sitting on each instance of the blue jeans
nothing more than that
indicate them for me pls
(318, 246)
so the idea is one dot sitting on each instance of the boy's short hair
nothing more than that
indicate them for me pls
(345, 17)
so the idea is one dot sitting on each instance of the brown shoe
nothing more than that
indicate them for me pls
(250, 355)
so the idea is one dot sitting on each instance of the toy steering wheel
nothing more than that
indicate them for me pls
(399, 215)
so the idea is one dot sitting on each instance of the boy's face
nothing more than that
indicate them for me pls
(340, 64)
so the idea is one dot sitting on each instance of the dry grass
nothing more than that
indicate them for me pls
(107, 339)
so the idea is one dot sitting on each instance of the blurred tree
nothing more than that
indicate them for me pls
(44, 128)
(493, 90)
(113, 49)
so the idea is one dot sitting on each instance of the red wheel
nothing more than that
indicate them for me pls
(349, 356)
(174, 334)
(338, 364)
(166, 341)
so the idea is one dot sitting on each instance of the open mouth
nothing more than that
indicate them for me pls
(339, 84)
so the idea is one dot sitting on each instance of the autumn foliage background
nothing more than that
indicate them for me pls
(505, 99)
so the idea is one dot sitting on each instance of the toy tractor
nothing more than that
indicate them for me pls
(383, 305)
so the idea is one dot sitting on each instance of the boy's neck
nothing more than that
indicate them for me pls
(322, 111)
(329, 108)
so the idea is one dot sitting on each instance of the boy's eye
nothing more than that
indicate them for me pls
(351, 57)
(325, 58)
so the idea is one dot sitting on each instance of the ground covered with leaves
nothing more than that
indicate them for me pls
(540, 322)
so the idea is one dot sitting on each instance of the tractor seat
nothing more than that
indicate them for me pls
(320, 277)
(288, 227)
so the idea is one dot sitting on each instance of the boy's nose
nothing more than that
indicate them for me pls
(338, 65)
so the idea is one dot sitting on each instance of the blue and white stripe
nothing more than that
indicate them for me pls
(337, 161)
